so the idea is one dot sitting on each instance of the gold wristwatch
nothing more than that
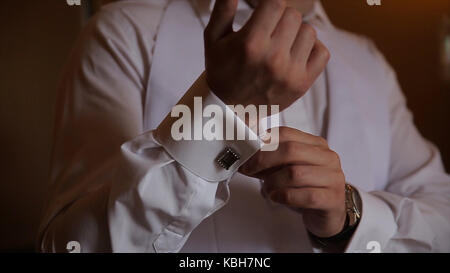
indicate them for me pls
(353, 206)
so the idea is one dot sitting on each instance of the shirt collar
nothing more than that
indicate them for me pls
(204, 7)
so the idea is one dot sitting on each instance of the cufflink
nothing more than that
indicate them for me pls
(227, 158)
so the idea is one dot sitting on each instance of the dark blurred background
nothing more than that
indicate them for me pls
(36, 37)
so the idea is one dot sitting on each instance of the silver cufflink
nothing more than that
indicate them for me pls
(227, 158)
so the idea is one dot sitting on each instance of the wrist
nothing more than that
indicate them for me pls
(353, 216)
(219, 152)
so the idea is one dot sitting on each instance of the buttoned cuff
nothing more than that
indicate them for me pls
(197, 134)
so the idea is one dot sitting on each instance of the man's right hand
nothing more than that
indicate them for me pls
(273, 60)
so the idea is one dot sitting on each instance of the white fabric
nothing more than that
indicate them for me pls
(116, 188)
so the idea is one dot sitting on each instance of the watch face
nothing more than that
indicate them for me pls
(357, 200)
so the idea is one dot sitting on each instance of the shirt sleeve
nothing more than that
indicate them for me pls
(114, 186)
(412, 214)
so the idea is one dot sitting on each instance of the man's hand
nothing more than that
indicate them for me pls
(273, 60)
(304, 174)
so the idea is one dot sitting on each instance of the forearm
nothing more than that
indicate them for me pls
(147, 195)
(151, 194)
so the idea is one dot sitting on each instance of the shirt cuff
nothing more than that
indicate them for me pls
(197, 134)
(376, 227)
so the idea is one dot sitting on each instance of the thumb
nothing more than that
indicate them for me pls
(221, 21)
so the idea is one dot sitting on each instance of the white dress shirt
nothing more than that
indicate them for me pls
(121, 183)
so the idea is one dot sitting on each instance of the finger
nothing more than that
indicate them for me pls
(304, 44)
(304, 198)
(290, 153)
(221, 21)
(286, 134)
(318, 60)
(287, 28)
(298, 176)
(265, 18)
